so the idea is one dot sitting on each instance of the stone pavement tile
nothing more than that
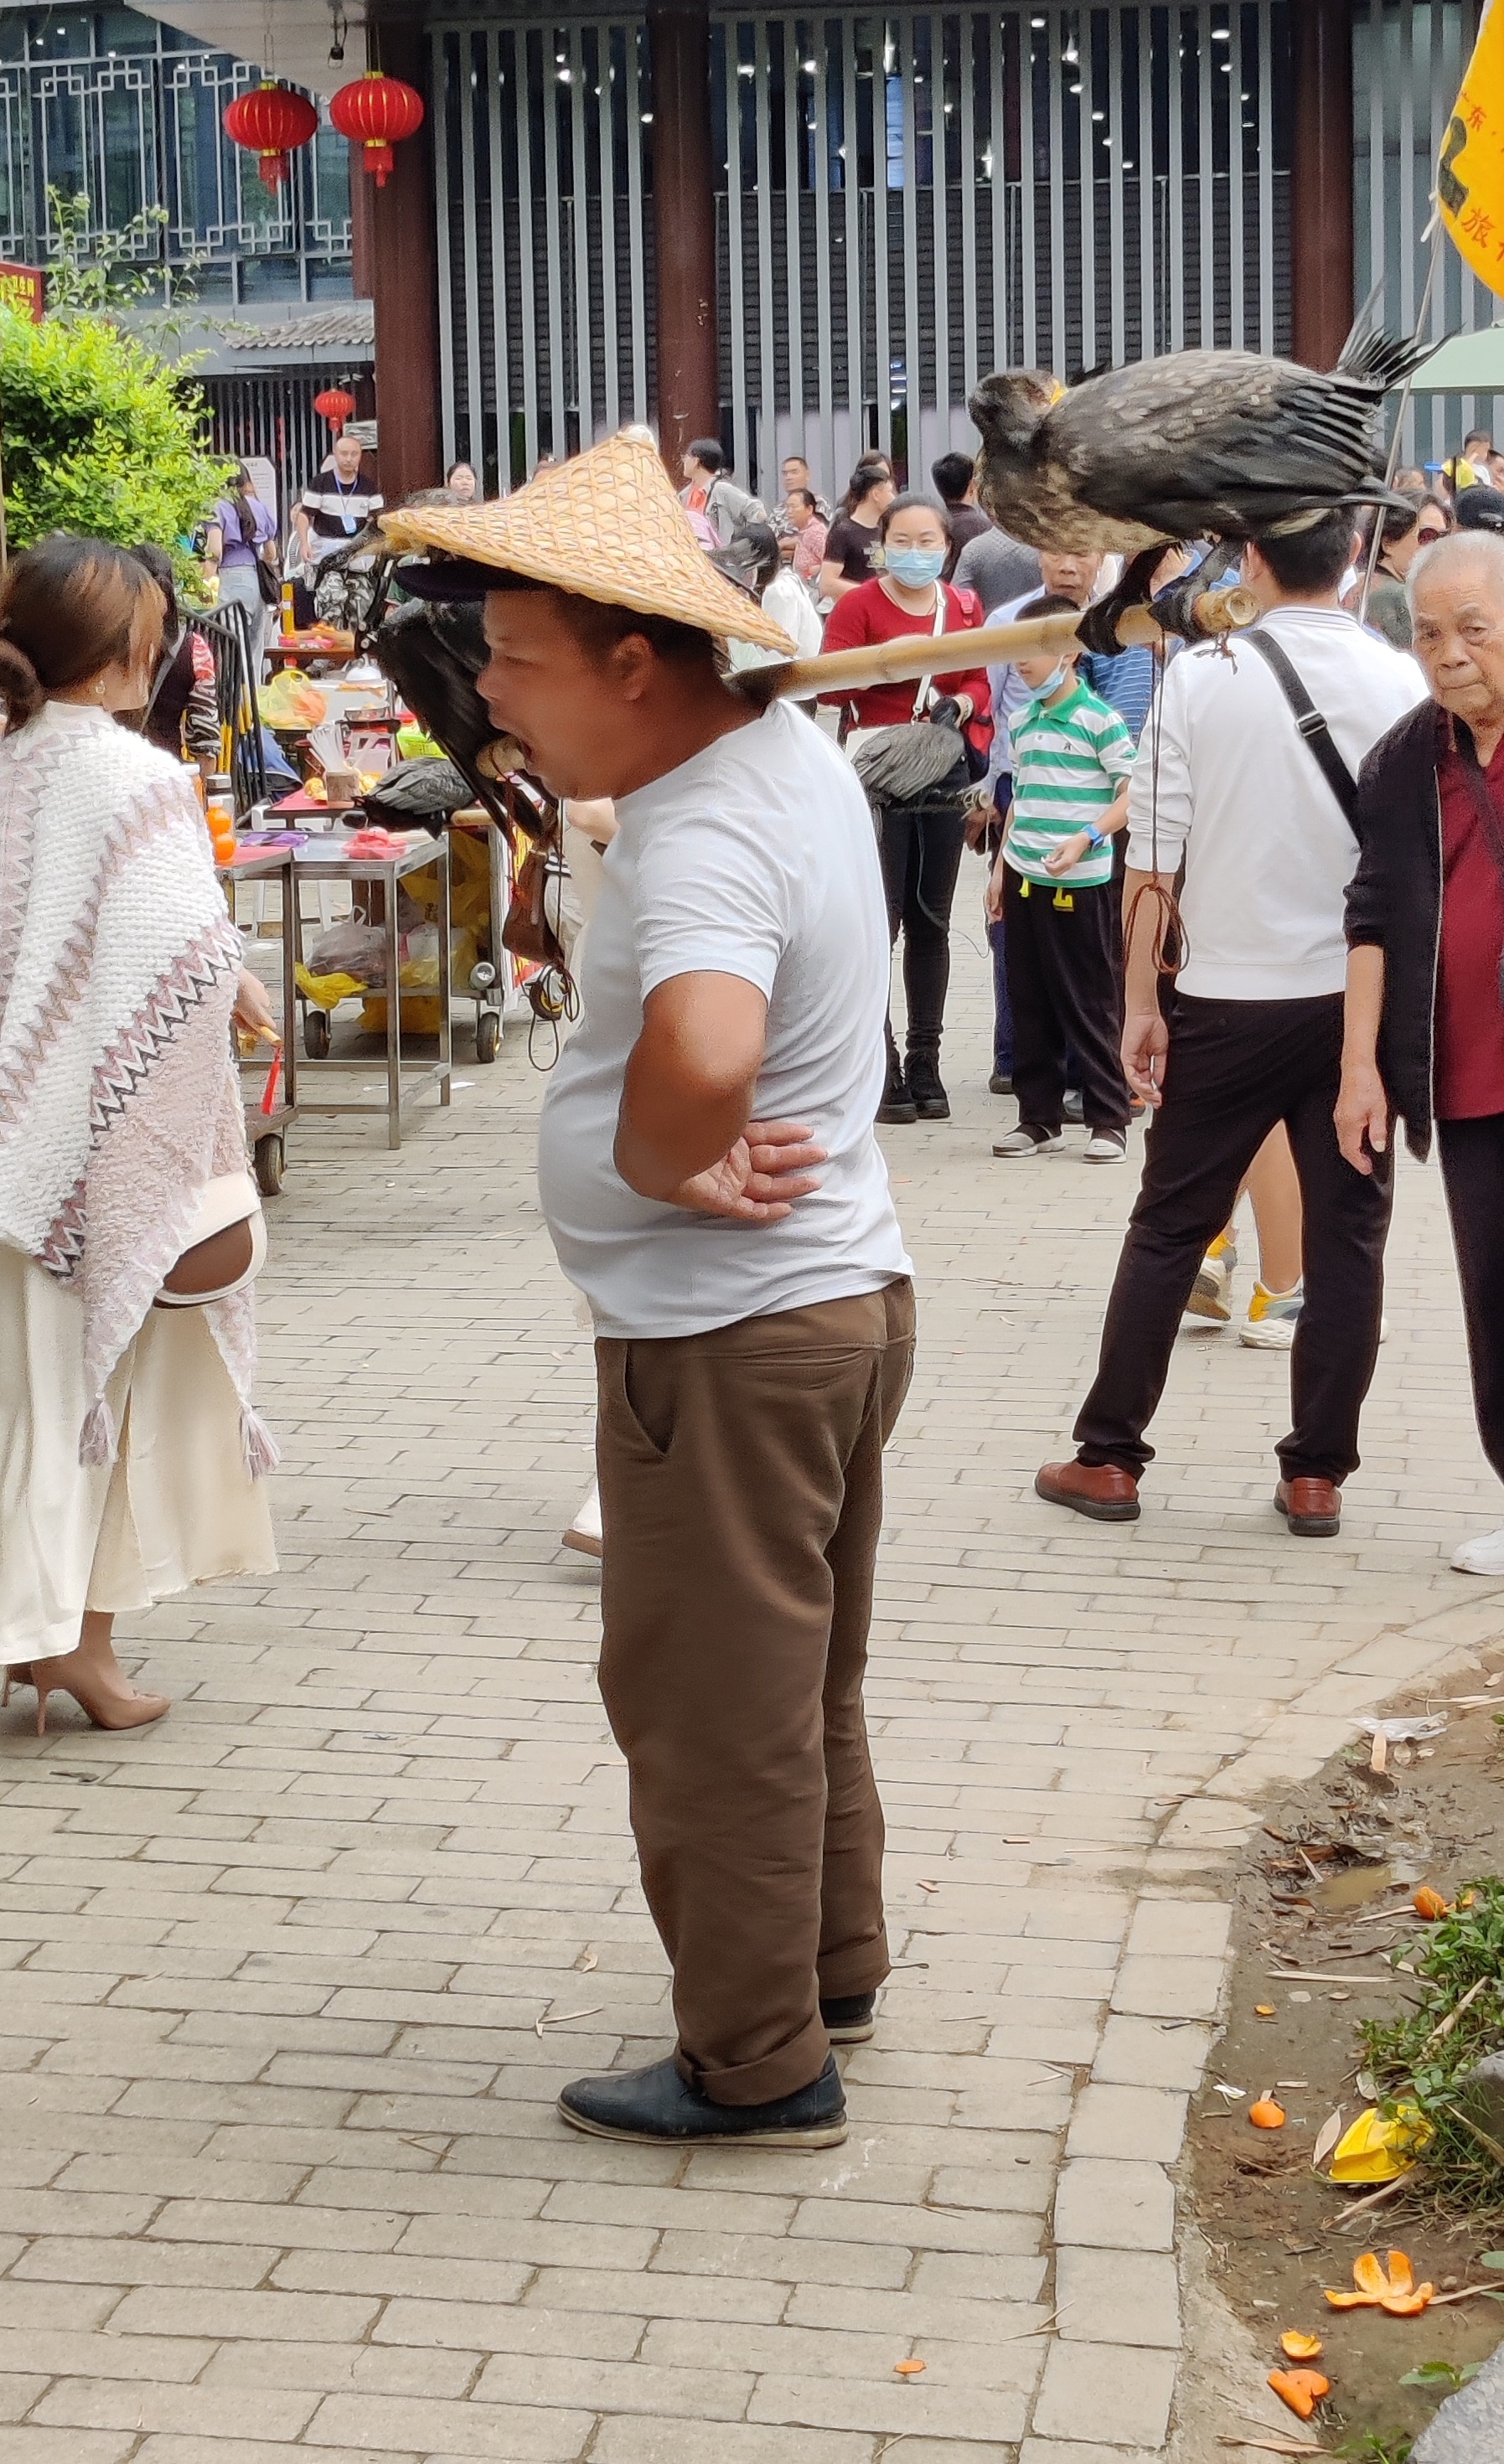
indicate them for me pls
(634, 2438)
(274, 2414)
(1108, 2203)
(698, 2394)
(72, 2352)
(1161, 1987)
(1108, 2393)
(1141, 2053)
(368, 2369)
(300, 2316)
(1146, 2121)
(1071, 2451)
(21, 2444)
(1104, 2302)
(17, 2395)
(950, 2410)
(1179, 1928)
(501, 2433)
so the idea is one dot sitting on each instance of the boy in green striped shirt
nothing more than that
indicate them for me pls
(1053, 887)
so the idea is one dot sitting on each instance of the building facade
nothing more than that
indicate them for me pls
(805, 231)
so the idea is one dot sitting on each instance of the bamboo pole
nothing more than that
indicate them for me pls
(920, 654)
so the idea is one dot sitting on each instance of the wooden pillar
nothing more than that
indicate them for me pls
(396, 266)
(1321, 185)
(684, 227)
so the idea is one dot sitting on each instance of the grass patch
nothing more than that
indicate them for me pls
(1425, 2056)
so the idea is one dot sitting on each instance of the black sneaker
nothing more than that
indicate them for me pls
(898, 1104)
(930, 1099)
(848, 2019)
(655, 2107)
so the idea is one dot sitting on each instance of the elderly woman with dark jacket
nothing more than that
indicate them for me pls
(1424, 1018)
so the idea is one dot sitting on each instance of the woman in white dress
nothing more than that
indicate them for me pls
(131, 1455)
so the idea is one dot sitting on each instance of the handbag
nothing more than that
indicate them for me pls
(527, 931)
(268, 582)
(898, 765)
(227, 1248)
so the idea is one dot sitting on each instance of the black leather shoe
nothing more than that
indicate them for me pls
(656, 2107)
(849, 2018)
(1000, 1083)
(898, 1104)
(930, 1099)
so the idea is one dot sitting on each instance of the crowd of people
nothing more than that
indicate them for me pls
(1253, 892)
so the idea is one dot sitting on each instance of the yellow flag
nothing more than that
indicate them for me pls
(1469, 177)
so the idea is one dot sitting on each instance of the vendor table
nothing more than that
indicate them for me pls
(322, 860)
(266, 1132)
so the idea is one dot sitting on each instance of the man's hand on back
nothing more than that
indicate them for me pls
(1146, 1040)
(758, 1179)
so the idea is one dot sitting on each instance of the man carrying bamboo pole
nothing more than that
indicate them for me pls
(713, 1183)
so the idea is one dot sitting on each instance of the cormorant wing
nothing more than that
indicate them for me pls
(1212, 430)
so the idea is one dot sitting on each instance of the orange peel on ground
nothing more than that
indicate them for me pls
(1301, 2390)
(1300, 2347)
(1394, 2290)
(1430, 1904)
(908, 2369)
(1266, 2115)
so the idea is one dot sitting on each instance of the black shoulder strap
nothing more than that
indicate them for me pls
(1310, 724)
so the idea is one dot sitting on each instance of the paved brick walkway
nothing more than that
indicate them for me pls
(293, 1979)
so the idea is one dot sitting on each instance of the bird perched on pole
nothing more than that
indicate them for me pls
(1199, 444)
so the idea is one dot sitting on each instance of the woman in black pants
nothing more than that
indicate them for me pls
(919, 838)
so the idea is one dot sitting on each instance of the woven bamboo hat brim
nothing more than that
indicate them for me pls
(605, 525)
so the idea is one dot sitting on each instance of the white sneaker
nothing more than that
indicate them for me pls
(585, 1531)
(1026, 1140)
(1272, 1318)
(1106, 1146)
(1482, 1556)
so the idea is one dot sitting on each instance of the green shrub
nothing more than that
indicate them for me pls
(100, 436)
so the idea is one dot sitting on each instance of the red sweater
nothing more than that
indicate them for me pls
(867, 614)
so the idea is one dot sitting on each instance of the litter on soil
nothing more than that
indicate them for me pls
(1324, 1899)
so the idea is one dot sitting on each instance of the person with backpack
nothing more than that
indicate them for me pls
(1246, 774)
(709, 489)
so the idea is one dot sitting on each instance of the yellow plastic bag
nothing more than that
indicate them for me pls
(290, 701)
(327, 992)
(1379, 2147)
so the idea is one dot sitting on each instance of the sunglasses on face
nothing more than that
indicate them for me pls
(1428, 539)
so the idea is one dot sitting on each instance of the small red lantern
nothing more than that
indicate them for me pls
(336, 405)
(269, 121)
(376, 113)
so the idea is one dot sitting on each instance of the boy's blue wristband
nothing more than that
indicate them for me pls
(1095, 836)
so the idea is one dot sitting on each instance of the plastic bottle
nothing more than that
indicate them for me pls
(288, 620)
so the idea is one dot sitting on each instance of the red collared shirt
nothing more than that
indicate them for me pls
(1470, 1017)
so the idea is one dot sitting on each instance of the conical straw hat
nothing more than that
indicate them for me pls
(605, 525)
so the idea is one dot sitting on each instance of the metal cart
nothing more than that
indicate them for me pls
(321, 860)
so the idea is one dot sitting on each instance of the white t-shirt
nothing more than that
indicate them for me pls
(755, 859)
(1223, 777)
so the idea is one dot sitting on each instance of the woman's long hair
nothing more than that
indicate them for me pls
(69, 608)
(240, 498)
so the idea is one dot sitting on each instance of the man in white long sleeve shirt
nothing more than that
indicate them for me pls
(1256, 809)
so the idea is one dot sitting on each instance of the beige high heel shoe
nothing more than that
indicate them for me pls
(101, 1709)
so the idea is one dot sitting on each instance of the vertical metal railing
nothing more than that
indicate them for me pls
(907, 197)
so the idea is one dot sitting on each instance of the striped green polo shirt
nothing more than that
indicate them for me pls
(1069, 764)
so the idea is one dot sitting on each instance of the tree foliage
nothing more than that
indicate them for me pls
(100, 436)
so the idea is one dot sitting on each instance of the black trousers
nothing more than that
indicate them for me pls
(1064, 982)
(920, 847)
(1472, 1173)
(1234, 1071)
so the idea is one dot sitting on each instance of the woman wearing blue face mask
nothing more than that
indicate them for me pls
(920, 839)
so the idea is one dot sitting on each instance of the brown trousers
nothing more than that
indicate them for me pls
(741, 1495)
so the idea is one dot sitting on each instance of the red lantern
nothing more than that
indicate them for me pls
(269, 121)
(336, 405)
(376, 113)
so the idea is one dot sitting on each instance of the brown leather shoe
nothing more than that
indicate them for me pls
(1313, 1509)
(1100, 1490)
